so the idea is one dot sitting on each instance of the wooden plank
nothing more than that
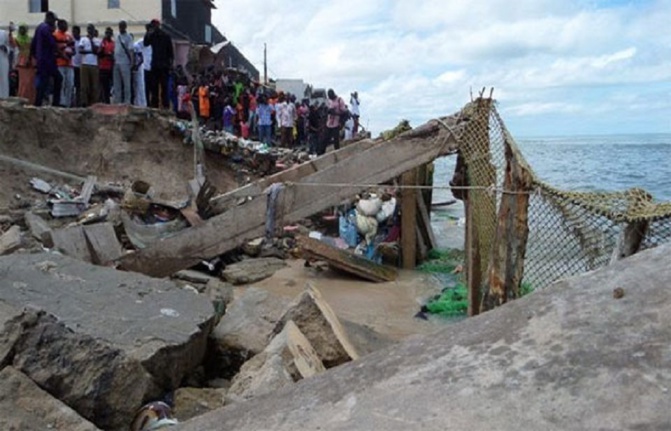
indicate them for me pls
(473, 270)
(629, 240)
(72, 242)
(347, 261)
(103, 243)
(422, 248)
(424, 223)
(305, 197)
(506, 260)
(409, 220)
(223, 202)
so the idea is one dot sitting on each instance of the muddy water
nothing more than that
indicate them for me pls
(386, 308)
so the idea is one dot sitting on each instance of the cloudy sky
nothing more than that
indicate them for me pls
(558, 67)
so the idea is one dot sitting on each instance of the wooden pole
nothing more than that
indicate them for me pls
(409, 220)
(472, 251)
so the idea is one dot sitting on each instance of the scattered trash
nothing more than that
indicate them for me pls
(153, 416)
(41, 185)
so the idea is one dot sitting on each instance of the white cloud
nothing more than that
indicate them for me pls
(420, 59)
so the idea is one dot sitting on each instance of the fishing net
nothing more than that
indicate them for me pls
(541, 233)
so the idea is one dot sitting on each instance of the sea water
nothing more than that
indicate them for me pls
(577, 163)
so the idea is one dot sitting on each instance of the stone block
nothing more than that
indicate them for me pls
(316, 319)
(26, 407)
(252, 270)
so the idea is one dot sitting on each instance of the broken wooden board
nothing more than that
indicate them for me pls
(299, 199)
(409, 198)
(347, 261)
(104, 245)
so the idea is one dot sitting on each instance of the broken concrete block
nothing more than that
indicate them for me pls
(8, 338)
(315, 318)
(220, 294)
(39, 229)
(245, 329)
(24, 406)
(288, 358)
(71, 241)
(103, 243)
(252, 270)
(120, 338)
(192, 402)
(11, 240)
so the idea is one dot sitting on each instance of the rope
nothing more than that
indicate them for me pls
(489, 189)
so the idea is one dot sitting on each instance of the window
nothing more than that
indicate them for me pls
(37, 6)
(208, 33)
(113, 4)
(173, 8)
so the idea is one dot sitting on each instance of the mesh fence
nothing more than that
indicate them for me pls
(565, 232)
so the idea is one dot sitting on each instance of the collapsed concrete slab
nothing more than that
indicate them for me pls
(317, 320)
(133, 335)
(26, 407)
(246, 328)
(572, 356)
(288, 358)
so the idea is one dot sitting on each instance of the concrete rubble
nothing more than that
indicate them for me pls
(572, 356)
(26, 407)
(252, 270)
(113, 333)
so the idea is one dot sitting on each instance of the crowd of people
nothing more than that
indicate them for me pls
(60, 66)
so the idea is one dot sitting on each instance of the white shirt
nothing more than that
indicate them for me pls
(85, 45)
(146, 54)
(77, 58)
(354, 106)
(286, 114)
(138, 50)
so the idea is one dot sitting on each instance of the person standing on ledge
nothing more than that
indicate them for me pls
(161, 63)
(43, 48)
(354, 109)
(124, 60)
(335, 108)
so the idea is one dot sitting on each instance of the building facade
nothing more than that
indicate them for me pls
(186, 20)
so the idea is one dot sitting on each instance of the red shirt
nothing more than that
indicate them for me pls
(106, 61)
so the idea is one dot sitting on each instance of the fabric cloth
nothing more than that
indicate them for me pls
(336, 108)
(264, 114)
(122, 80)
(43, 49)
(204, 101)
(228, 117)
(162, 55)
(286, 114)
(106, 57)
(77, 57)
(90, 81)
(4, 64)
(123, 49)
(68, 85)
(146, 55)
(86, 45)
(64, 48)
(138, 83)
(354, 106)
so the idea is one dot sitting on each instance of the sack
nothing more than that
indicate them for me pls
(369, 207)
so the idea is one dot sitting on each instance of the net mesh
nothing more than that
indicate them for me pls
(569, 232)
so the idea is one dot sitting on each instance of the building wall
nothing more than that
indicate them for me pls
(136, 12)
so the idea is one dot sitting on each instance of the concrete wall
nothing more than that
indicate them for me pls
(81, 12)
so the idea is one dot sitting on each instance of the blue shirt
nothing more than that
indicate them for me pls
(264, 112)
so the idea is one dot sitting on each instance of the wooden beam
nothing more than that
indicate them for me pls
(306, 196)
(473, 270)
(347, 261)
(424, 223)
(409, 220)
(224, 202)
